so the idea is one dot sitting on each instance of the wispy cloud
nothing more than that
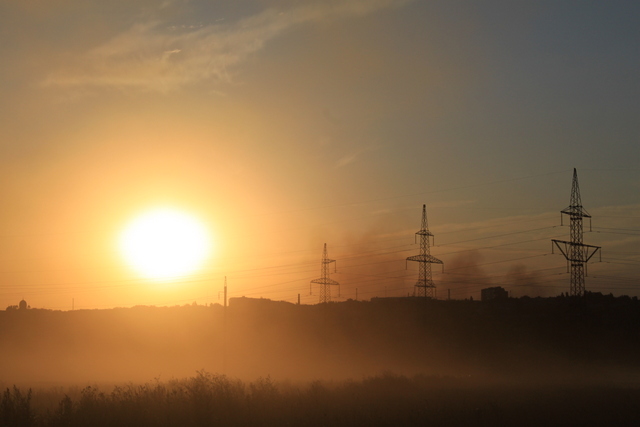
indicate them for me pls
(157, 57)
(352, 157)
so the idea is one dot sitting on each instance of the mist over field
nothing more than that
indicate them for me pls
(516, 339)
(388, 361)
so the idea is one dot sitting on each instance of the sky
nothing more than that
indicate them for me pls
(283, 125)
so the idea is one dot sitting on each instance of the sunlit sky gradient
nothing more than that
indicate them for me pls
(284, 125)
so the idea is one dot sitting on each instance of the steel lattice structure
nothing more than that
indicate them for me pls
(325, 281)
(576, 252)
(424, 286)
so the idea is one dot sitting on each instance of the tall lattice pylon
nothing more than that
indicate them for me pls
(424, 286)
(576, 252)
(325, 281)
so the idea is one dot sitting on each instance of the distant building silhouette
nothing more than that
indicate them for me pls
(22, 305)
(244, 302)
(497, 292)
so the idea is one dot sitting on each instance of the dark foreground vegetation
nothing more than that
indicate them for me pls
(385, 400)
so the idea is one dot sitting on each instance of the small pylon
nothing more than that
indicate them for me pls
(576, 253)
(325, 281)
(425, 286)
(225, 291)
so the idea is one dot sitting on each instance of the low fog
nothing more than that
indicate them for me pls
(516, 339)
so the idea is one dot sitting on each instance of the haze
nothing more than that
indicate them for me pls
(285, 125)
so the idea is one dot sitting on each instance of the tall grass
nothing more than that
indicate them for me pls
(208, 399)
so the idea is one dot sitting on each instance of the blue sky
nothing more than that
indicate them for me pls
(285, 125)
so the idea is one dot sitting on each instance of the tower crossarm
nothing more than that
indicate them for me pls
(323, 281)
(583, 256)
(425, 258)
(576, 211)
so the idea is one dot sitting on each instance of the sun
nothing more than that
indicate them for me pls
(165, 243)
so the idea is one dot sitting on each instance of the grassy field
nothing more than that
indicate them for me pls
(384, 400)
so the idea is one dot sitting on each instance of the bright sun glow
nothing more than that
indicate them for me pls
(165, 243)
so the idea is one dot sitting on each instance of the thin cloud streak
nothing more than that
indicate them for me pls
(153, 57)
(353, 157)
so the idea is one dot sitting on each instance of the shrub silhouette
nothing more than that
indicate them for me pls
(384, 400)
(15, 408)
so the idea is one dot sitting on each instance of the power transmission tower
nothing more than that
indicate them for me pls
(576, 252)
(225, 291)
(425, 286)
(225, 340)
(325, 281)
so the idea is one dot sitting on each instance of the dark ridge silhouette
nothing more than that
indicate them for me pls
(524, 339)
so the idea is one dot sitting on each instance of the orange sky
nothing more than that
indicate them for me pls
(285, 126)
